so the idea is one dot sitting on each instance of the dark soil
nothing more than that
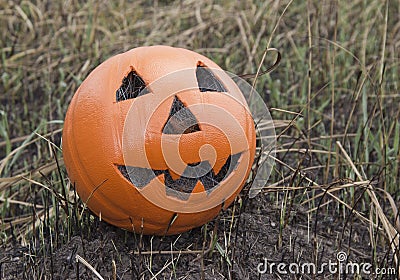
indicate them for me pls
(256, 235)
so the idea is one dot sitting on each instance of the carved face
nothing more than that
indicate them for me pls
(158, 140)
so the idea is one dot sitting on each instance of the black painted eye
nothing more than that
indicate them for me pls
(207, 81)
(132, 86)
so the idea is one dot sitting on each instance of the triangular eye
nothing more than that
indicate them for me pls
(180, 120)
(207, 81)
(132, 86)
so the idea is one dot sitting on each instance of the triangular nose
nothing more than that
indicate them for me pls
(180, 120)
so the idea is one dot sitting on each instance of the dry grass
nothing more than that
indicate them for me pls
(334, 98)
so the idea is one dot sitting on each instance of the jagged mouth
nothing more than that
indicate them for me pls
(141, 177)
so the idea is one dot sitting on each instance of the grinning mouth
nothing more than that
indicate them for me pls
(141, 177)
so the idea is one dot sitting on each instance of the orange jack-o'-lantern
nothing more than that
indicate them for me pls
(158, 140)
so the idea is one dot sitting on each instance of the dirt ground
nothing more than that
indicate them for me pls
(255, 236)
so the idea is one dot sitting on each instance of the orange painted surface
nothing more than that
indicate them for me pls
(94, 140)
